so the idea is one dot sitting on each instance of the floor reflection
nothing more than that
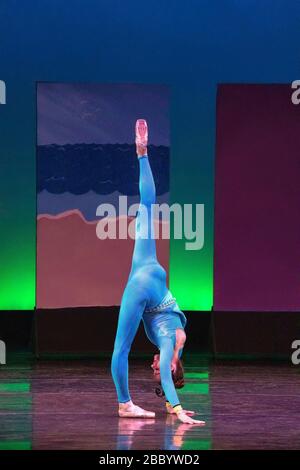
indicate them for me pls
(72, 405)
(129, 429)
(167, 432)
(16, 404)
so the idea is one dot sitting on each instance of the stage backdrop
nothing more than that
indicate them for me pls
(257, 200)
(168, 42)
(86, 157)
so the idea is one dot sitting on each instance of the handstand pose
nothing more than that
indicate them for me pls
(146, 297)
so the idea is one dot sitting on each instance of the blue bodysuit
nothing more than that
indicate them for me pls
(146, 297)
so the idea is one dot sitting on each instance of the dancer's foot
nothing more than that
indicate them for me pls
(141, 137)
(129, 410)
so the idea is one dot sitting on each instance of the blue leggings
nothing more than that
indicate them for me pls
(146, 287)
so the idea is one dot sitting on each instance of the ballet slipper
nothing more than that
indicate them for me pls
(129, 410)
(141, 137)
(141, 133)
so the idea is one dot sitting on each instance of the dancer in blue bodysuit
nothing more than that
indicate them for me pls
(146, 297)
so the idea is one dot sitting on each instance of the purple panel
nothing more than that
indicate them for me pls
(257, 206)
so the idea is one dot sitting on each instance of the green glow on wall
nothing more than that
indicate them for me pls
(191, 182)
(17, 288)
(191, 276)
(18, 250)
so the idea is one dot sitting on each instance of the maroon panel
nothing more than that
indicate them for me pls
(257, 223)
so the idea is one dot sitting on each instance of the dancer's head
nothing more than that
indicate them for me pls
(176, 364)
(176, 368)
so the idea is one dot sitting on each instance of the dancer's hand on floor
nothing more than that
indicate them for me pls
(189, 412)
(171, 411)
(185, 418)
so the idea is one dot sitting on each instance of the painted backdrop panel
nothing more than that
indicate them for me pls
(86, 157)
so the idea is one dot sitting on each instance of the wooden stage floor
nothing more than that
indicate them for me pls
(71, 404)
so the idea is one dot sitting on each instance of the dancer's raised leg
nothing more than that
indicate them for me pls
(145, 244)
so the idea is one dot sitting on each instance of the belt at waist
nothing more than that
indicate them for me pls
(164, 304)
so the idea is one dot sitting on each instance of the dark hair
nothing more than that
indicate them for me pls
(178, 379)
(178, 376)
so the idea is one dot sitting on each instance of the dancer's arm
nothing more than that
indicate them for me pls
(165, 361)
(166, 356)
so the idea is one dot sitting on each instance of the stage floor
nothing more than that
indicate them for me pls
(71, 404)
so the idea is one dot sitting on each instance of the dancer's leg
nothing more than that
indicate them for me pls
(145, 245)
(135, 295)
(131, 311)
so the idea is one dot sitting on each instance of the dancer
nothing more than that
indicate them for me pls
(146, 297)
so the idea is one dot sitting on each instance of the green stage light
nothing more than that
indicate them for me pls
(196, 375)
(17, 281)
(15, 402)
(198, 389)
(21, 387)
(15, 445)
(191, 276)
(201, 444)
